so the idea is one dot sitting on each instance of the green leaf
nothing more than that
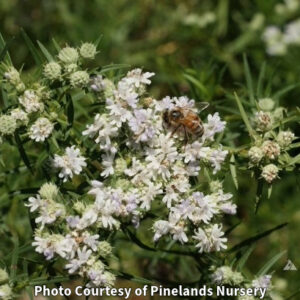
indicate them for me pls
(197, 83)
(41, 281)
(2, 46)
(56, 45)
(29, 293)
(113, 67)
(248, 79)
(22, 152)
(295, 160)
(285, 90)
(293, 295)
(233, 171)
(270, 191)
(259, 194)
(255, 238)
(261, 80)
(244, 115)
(5, 98)
(97, 42)
(3, 52)
(133, 278)
(270, 264)
(14, 259)
(45, 52)
(35, 53)
(244, 258)
(70, 109)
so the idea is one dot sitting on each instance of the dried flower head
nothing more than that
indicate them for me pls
(270, 149)
(270, 172)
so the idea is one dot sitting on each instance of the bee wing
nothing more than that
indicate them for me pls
(202, 105)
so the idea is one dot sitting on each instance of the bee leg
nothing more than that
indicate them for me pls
(175, 129)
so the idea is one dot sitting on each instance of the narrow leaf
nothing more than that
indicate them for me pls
(293, 295)
(45, 52)
(244, 115)
(70, 109)
(2, 45)
(56, 45)
(35, 53)
(233, 171)
(3, 52)
(14, 259)
(255, 238)
(261, 80)
(197, 83)
(248, 79)
(97, 42)
(264, 270)
(22, 152)
(244, 258)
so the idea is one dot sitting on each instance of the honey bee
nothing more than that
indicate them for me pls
(186, 119)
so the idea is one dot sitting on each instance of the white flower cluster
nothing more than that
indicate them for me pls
(270, 144)
(5, 289)
(225, 275)
(277, 41)
(31, 109)
(71, 236)
(32, 101)
(70, 163)
(158, 165)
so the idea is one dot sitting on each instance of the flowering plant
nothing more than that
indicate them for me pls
(108, 166)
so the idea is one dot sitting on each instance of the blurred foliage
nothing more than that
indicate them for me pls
(189, 56)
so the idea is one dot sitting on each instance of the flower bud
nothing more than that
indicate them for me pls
(255, 155)
(8, 125)
(270, 149)
(104, 248)
(278, 113)
(52, 71)
(71, 68)
(87, 50)
(270, 172)
(20, 87)
(5, 292)
(68, 55)
(266, 104)
(120, 166)
(109, 88)
(122, 183)
(79, 207)
(215, 186)
(285, 138)
(48, 191)
(12, 76)
(263, 121)
(20, 116)
(3, 276)
(79, 79)
(108, 279)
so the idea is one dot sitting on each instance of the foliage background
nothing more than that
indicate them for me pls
(158, 36)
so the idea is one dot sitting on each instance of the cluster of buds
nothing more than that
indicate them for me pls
(271, 141)
(68, 66)
(35, 112)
